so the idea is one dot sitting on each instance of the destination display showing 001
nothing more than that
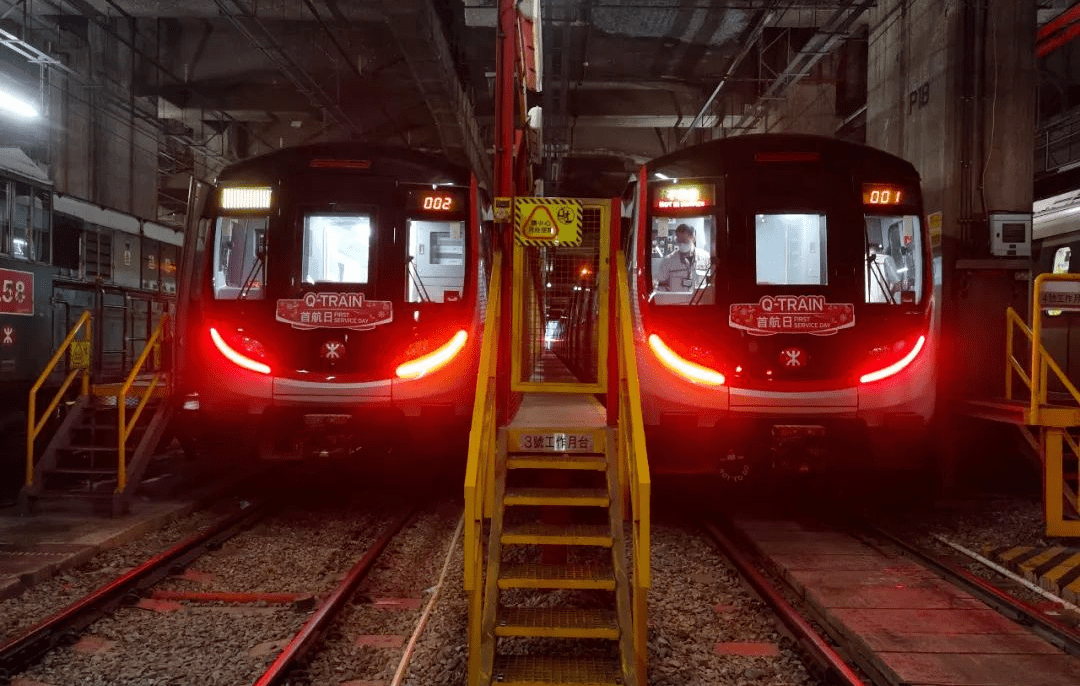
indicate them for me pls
(886, 194)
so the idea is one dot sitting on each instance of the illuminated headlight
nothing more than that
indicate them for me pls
(245, 198)
(440, 357)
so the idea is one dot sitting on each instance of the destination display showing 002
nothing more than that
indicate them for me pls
(437, 201)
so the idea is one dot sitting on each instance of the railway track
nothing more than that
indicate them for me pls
(875, 608)
(175, 640)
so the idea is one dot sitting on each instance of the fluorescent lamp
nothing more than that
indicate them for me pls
(17, 106)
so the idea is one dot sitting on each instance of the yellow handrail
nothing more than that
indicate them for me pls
(33, 427)
(634, 464)
(1041, 361)
(479, 472)
(125, 428)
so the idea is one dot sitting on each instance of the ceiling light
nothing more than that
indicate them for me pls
(17, 106)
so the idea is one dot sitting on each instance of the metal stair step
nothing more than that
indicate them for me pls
(557, 622)
(580, 497)
(563, 461)
(557, 576)
(538, 533)
(537, 670)
(91, 448)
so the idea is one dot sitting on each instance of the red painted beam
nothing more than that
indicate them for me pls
(1058, 23)
(1044, 48)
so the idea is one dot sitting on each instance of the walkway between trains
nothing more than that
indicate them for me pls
(561, 478)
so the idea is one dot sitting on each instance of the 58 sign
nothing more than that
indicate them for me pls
(16, 292)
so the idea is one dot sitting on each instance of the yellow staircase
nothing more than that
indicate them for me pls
(1048, 420)
(557, 519)
(100, 449)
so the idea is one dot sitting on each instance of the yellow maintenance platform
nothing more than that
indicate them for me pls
(557, 493)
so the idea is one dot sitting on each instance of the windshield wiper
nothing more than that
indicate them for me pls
(879, 276)
(699, 293)
(414, 274)
(250, 280)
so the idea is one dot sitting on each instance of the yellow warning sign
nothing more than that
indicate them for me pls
(933, 221)
(547, 221)
(502, 210)
(79, 354)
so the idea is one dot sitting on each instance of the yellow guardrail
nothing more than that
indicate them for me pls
(1041, 361)
(480, 470)
(80, 363)
(634, 468)
(127, 424)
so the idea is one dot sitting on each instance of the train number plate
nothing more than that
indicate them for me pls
(796, 431)
(556, 443)
(316, 421)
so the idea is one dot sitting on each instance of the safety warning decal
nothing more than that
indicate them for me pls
(334, 311)
(544, 222)
(16, 292)
(775, 314)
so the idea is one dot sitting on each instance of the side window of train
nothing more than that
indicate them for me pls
(240, 258)
(67, 232)
(894, 268)
(31, 223)
(168, 268)
(97, 253)
(436, 260)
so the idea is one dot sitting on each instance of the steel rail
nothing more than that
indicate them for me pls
(19, 653)
(320, 620)
(1056, 633)
(808, 637)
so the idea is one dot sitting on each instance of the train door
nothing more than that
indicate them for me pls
(68, 304)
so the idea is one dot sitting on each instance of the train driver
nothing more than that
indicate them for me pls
(685, 268)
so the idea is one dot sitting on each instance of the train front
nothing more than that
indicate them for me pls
(785, 295)
(337, 305)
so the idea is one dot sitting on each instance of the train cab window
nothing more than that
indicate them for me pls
(894, 260)
(30, 224)
(240, 258)
(337, 248)
(791, 249)
(436, 261)
(683, 260)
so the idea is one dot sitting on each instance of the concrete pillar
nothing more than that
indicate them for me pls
(105, 144)
(951, 87)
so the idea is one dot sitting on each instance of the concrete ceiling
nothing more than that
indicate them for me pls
(623, 80)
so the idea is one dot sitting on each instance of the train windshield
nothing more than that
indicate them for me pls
(240, 258)
(683, 262)
(791, 249)
(893, 273)
(337, 248)
(436, 262)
